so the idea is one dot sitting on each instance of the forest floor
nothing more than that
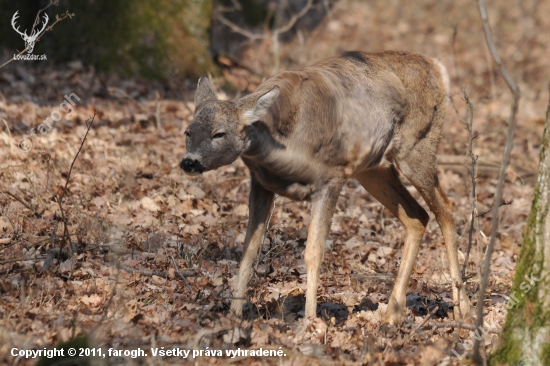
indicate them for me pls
(155, 253)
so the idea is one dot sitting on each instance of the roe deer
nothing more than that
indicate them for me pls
(303, 134)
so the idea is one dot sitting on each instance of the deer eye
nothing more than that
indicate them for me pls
(219, 135)
(187, 133)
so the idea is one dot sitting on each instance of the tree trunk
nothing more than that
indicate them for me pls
(526, 334)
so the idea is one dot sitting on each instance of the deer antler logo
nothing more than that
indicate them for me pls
(29, 40)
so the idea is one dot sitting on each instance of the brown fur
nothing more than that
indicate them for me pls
(304, 133)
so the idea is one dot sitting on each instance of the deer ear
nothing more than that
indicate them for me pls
(205, 91)
(259, 109)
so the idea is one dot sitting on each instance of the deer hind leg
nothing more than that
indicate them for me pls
(385, 186)
(419, 167)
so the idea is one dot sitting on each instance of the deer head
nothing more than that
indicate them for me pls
(29, 40)
(217, 135)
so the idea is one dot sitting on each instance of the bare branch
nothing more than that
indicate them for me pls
(180, 274)
(237, 5)
(502, 203)
(273, 35)
(473, 176)
(150, 273)
(240, 30)
(37, 19)
(490, 43)
(294, 18)
(35, 213)
(463, 325)
(65, 237)
(285, 28)
(478, 360)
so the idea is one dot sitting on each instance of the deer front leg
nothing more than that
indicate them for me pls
(322, 209)
(260, 204)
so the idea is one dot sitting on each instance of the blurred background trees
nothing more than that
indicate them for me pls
(151, 38)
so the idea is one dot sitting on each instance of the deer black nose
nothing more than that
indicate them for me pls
(187, 165)
(191, 166)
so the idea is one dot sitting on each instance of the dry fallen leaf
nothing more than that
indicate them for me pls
(148, 204)
(5, 226)
(91, 300)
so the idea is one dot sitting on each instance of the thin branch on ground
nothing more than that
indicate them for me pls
(34, 212)
(20, 260)
(181, 275)
(462, 325)
(150, 273)
(478, 359)
(502, 203)
(473, 176)
(427, 341)
(424, 321)
(65, 236)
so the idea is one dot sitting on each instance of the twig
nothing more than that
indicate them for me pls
(89, 123)
(182, 276)
(19, 260)
(473, 176)
(419, 331)
(502, 203)
(424, 321)
(160, 130)
(18, 199)
(237, 5)
(294, 18)
(462, 325)
(455, 34)
(244, 32)
(477, 358)
(35, 213)
(150, 273)
(145, 272)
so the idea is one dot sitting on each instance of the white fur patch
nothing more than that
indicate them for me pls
(444, 78)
